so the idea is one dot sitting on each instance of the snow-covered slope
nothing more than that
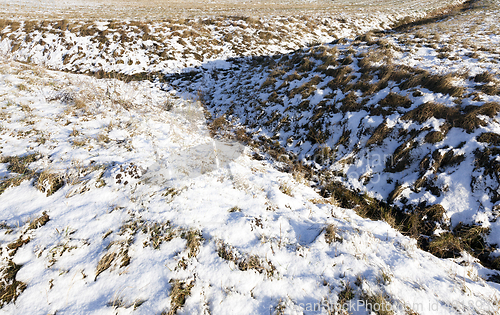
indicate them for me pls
(155, 10)
(173, 45)
(132, 198)
(93, 222)
(407, 117)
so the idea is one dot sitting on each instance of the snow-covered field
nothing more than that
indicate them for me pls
(161, 9)
(123, 233)
(120, 198)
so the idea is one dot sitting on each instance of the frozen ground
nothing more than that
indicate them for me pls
(161, 9)
(402, 116)
(117, 197)
(124, 235)
(180, 45)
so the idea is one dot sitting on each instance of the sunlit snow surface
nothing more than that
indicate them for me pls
(136, 159)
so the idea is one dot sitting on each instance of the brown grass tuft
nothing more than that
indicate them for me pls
(10, 288)
(104, 263)
(434, 137)
(468, 118)
(379, 134)
(41, 221)
(194, 239)
(19, 164)
(306, 89)
(49, 182)
(427, 110)
(180, 291)
(331, 234)
(484, 77)
(490, 138)
(377, 303)
(394, 100)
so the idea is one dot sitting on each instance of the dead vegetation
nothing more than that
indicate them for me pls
(331, 234)
(193, 239)
(379, 135)
(346, 294)
(353, 91)
(467, 118)
(181, 290)
(104, 263)
(19, 165)
(419, 222)
(49, 182)
(158, 233)
(489, 138)
(377, 303)
(10, 288)
(470, 238)
(39, 222)
(245, 262)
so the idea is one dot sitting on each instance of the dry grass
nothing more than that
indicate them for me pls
(103, 138)
(286, 189)
(394, 194)
(306, 89)
(194, 239)
(79, 142)
(10, 288)
(49, 182)
(292, 77)
(402, 157)
(74, 132)
(158, 233)
(181, 290)
(484, 77)
(377, 303)
(13, 182)
(446, 246)
(40, 221)
(341, 77)
(14, 246)
(269, 81)
(331, 234)
(490, 138)
(19, 165)
(218, 125)
(346, 294)
(351, 103)
(380, 133)
(434, 137)
(117, 253)
(234, 209)
(394, 101)
(437, 83)
(466, 118)
(245, 262)
(104, 263)
(470, 238)
(177, 10)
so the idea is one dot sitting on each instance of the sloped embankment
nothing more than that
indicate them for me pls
(92, 217)
(373, 115)
(366, 112)
(145, 48)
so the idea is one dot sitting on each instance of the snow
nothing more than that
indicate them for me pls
(138, 163)
(60, 261)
